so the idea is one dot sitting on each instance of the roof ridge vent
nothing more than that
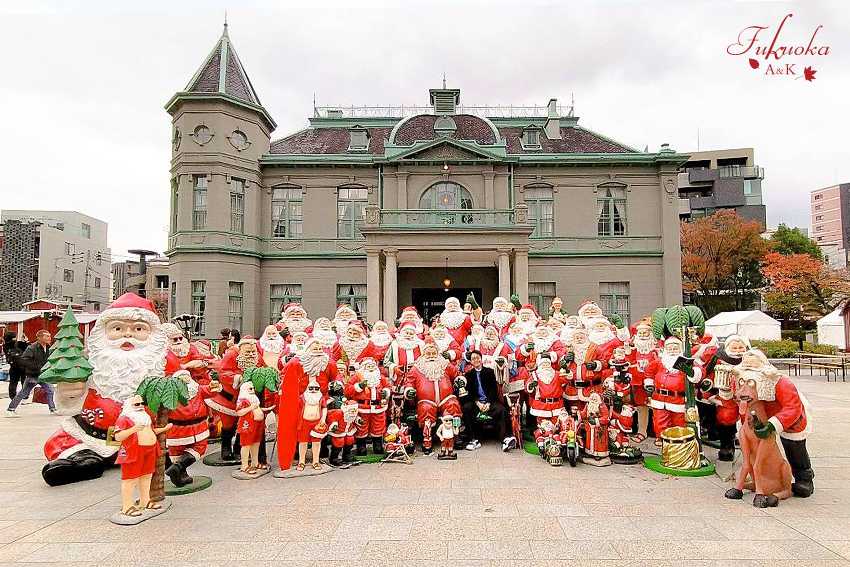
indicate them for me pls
(444, 101)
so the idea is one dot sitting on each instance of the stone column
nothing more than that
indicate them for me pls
(373, 285)
(671, 271)
(402, 191)
(391, 285)
(521, 274)
(489, 198)
(504, 273)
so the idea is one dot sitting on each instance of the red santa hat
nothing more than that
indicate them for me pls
(673, 340)
(131, 306)
(342, 308)
(585, 306)
(290, 307)
(357, 325)
(410, 309)
(407, 325)
(530, 307)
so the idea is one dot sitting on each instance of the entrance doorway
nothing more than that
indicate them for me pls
(431, 301)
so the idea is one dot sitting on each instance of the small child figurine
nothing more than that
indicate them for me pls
(251, 427)
(446, 433)
(313, 426)
(137, 455)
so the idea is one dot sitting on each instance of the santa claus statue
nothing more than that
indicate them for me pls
(343, 316)
(272, 347)
(556, 308)
(403, 352)
(584, 370)
(251, 428)
(381, 338)
(456, 321)
(324, 333)
(545, 387)
(295, 346)
(527, 318)
(356, 346)
(312, 426)
(495, 354)
(342, 426)
(293, 318)
(187, 439)
(643, 352)
(571, 324)
(601, 333)
(588, 312)
(184, 356)
(500, 316)
(594, 432)
(431, 383)
(126, 344)
(410, 315)
(666, 381)
(449, 348)
(371, 391)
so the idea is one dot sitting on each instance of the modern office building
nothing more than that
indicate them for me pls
(721, 179)
(376, 206)
(830, 209)
(127, 277)
(55, 255)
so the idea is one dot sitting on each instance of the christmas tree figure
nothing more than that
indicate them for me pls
(66, 362)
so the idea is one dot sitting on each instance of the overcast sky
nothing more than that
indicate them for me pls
(82, 91)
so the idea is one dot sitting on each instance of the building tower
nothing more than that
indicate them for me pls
(220, 131)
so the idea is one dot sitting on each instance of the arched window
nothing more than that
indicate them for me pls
(446, 196)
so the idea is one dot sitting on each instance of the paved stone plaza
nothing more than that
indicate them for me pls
(486, 508)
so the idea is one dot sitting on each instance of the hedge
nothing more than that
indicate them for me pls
(787, 349)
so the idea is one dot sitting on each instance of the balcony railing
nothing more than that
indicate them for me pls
(745, 171)
(464, 218)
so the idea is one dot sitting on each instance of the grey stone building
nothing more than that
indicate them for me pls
(375, 207)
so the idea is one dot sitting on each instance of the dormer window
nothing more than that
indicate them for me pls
(359, 139)
(531, 138)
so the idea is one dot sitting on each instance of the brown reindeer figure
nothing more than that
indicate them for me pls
(770, 473)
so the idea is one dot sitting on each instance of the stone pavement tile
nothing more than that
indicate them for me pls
(808, 549)
(509, 495)
(764, 528)
(578, 528)
(14, 551)
(450, 496)
(6, 523)
(295, 528)
(494, 550)
(462, 510)
(740, 549)
(424, 483)
(393, 552)
(336, 551)
(21, 529)
(54, 553)
(37, 511)
(573, 549)
(550, 509)
(680, 528)
(522, 528)
(387, 497)
(495, 483)
(75, 531)
(442, 563)
(807, 563)
(320, 496)
(718, 563)
(414, 511)
(341, 511)
(821, 529)
(368, 529)
(176, 530)
(143, 552)
(530, 562)
(441, 530)
(626, 562)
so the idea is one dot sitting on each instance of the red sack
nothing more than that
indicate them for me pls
(39, 395)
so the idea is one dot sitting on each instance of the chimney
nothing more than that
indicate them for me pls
(553, 121)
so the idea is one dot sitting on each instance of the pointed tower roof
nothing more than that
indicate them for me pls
(222, 75)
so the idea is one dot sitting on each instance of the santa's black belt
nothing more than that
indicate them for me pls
(90, 429)
(375, 402)
(226, 395)
(520, 364)
(185, 422)
(663, 392)
(588, 383)
(549, 400)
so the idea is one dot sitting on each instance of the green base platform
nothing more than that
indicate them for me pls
(653, 463)
(214, 460)
(370, 457)
(531, 447)
(198, 483)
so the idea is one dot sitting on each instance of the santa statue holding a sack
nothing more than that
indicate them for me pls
(126, 344)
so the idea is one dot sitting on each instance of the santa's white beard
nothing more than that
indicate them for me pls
(273, 344)
(515, 339)
(246, 361)
(668, 360)
(593, 406)
(587, 320)
(180, 349)
(499, 318)
(452, 319)
(349, 416)
(117, 372)
(542, 344)
(341, 324)
(546, 375)
(372, 377)
(353, 348)
(193, 388)
(488, 344)
(139, 417)
(580, 351)
(407, 344)
(252, 398)
(296, 324)
(567, 335)
(325, 336)
(600, 337)
(381, 339)
(312, 398)
(434, 369)
(443, 342)
(313, 364)
(527, 326)
(644, 346)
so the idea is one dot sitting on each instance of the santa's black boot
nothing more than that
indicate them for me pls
(186, 461)
(361, 447)
(335, 460)
(82, 465)
(726, 433)
(377, 445)
(262, 456)
(177, 471)
(227, 444)
(347, 457)
(801, 467)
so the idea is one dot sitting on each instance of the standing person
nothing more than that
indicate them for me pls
(222, 342)
(33, 359)
(483, 397)
(13, 350)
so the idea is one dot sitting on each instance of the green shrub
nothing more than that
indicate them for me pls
(787, 349)
(794, 334)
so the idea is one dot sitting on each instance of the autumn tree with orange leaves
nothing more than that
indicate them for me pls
(800, 286)
(721, 259)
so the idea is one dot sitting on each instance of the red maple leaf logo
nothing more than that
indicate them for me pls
(809, 74)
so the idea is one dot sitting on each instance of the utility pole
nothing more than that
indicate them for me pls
(86, 280)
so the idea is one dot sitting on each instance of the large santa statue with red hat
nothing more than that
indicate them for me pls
(126, 344)
(457, 322)
(403, 352)
(356, 346)
(500, 316)
(183, 355)
(410, 315)
(293, 318)
(343, 316)
(527, 318)
(431, 383)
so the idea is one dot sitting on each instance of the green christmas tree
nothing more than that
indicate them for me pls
(66, 362)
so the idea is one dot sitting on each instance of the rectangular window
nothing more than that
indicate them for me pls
(69, 249)
(611, 211)
(162, 282)
(351, 209)
(281, 296)
(173, 299)
(614, 298)
(98, 259)
(819, 228)
(237, 205)
(530, 138)
(818, 197)
(175, 199)
(541, 210)
(819, 217)
(68, 275)
(97, 282)
(748, 187)
(234, 305)
(354, 295)
(359, 140)
(286, 212)
(86, 230)
(199, 202)
(199, 305)
(540, 295)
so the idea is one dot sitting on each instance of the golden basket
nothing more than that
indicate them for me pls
(679, 449)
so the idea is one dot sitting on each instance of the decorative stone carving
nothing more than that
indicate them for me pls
(521, 213)
(373, 215)
(236, 241)
(613, 244)
(199, 239)
(445, 151)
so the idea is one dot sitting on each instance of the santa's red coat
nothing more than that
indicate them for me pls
(460, 332)
(173, 363)
(96, 417)
(432, 392)
(546, 400)
(189, 423)
(595, 437)
(670, 386)
(368, 399)
(788, 412)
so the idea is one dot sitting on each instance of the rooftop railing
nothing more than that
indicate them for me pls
(402, 111)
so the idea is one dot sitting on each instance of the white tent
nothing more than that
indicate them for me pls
(754, 325)
(831, 329)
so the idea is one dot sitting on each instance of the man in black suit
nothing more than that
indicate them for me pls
(482, 397)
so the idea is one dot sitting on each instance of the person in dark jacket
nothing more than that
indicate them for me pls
(13, 350)
(33, 359)
(482, 397)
